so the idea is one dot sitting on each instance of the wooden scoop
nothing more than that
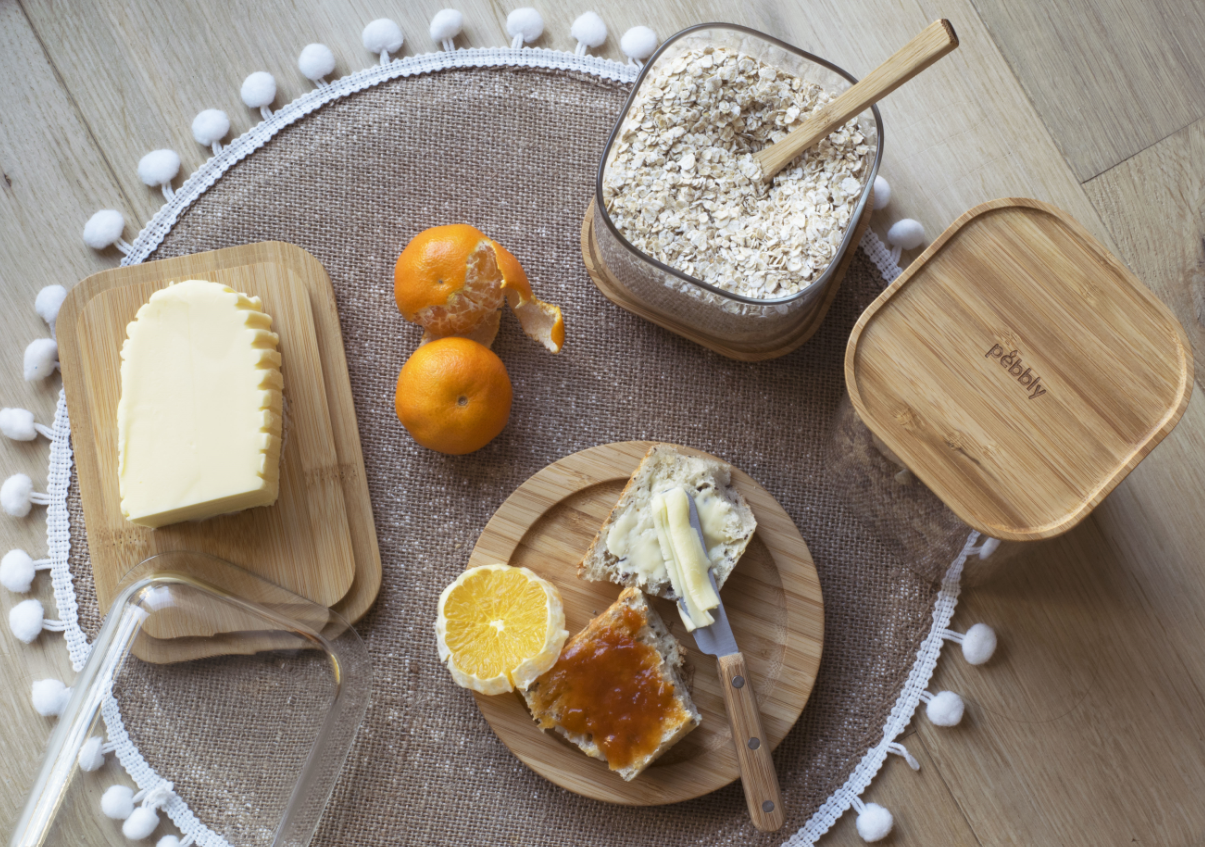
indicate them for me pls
(933, 42)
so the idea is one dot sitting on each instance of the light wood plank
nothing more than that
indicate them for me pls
(1109, 77)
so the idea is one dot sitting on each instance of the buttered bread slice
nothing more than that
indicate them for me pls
(627, 550)
(617, 690)
(199, 420)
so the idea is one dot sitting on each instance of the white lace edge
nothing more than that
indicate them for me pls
(901, 713)
(152, 235)
(204, 177)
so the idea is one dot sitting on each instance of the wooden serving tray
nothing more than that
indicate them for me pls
(318, 540)
(772, 598)
(1019, 369)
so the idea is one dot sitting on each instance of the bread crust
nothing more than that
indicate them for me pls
(599, 564)
(656, 634)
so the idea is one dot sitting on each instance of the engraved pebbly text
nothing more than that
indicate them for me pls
(1011, 361)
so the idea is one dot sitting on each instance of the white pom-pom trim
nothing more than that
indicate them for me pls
(445, 26)
(159, 168)
(258, 92)
(905, 234)
(50, 697)
(41, 358)
(638, 43)
(945, 708)
(989, 546)
(104, 229)
(978, 642)
(173, 841)
(117, 802)
(17, 570)
(92, 753)
(27, 619)
(874, 822)
(383, 36)
(209, 127)
(19, 425)
(17, 496)
(589, 30)
(48, 302)
(901, 750)
(524, 26)
(316, 62)
(140, 824)
(882, 192)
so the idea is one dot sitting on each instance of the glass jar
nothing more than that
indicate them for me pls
(739, 326)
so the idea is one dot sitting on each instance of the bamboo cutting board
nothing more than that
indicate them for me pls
(1019, 369)
(773, 602)
(318, 540)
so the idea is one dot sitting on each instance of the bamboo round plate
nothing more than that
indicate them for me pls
(772, 598)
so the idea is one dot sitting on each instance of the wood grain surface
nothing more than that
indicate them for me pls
(1086, 726)
(1019, 369)
(772, 599)
(303, 542)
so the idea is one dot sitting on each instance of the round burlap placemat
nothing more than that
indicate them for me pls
(513, 151)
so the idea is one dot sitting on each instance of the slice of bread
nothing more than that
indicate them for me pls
(728, 522)
(624, 656)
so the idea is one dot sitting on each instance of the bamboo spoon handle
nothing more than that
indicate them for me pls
(933, 42)
(752, 747)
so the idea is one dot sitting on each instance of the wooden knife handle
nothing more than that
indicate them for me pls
(752, 746)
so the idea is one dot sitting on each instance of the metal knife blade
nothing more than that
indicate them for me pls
(717, 639)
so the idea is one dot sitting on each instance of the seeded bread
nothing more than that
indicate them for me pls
(548, 701)
(664, 465)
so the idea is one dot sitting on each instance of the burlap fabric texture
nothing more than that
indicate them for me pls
(513, 151)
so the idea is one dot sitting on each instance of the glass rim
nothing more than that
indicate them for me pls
(820, 281)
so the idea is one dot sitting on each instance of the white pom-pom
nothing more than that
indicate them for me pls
(589, 29)
(17, 571)
(989, 546)
(50, 697)
(874, 822)
(446, 25)
(945, 709)
(17, 424)
(210, 126)
(259, 90)
(117, 802)
(906, 233)
(882, 192)
(316, 61)
(91, 756)
(639, 42)
(524, 25)
(16, 495)
(979, 643)
(140, 824)
(41, 358)
(25, 620)
(49, 301)
(103, 229)
(159, 167)
(382, 36)
(168, 841)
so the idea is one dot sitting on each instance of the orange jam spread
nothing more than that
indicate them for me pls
(609, 685)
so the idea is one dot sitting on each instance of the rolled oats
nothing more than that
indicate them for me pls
(683, 187)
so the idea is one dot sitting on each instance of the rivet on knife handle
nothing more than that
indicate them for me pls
(752, 754)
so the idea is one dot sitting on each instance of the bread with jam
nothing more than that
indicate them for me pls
(617, 690)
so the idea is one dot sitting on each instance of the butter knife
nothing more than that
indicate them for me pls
(752, 747)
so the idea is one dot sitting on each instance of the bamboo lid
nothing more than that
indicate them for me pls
(1019, 369)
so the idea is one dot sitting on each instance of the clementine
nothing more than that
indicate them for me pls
(453, 395)
(452, 280)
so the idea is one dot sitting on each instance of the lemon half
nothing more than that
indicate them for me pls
(499, 628)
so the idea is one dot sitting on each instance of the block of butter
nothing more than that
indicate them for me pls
(199, 420)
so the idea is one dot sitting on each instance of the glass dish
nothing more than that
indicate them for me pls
(752, 327)
(246, 696)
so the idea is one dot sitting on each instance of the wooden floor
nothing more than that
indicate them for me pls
(1089, 725)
